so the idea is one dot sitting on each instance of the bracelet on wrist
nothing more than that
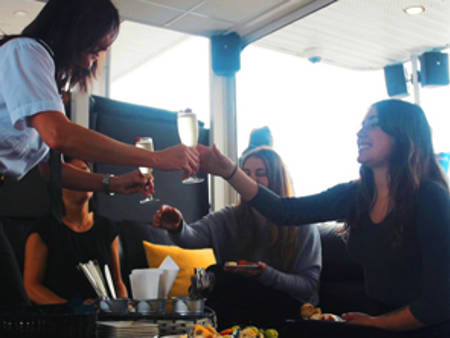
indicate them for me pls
(106, 183)
(229, 177)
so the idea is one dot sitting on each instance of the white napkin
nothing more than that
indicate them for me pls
(154, 283)
(145, 283)
(169, 273)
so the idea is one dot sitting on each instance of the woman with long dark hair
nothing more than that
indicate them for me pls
(288, 258)
(397, 216)
(57, 51)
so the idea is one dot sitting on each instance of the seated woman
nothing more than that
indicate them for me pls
(54, 249)
(397, 216)
(288, 258)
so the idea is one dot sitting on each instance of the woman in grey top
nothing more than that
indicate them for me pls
(289, 258)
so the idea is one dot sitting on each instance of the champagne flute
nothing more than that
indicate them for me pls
(188, 133)
(146, 143)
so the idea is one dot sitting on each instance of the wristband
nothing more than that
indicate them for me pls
(106, 184)
(232, 173)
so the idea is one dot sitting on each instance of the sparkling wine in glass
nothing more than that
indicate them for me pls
(188, 133)
(146, 143)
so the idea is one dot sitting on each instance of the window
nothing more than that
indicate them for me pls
(313, 110)
(161, 69)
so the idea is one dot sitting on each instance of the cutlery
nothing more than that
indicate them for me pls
(90, 278)
(110, 282)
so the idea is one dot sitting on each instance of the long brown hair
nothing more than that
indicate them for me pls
(412, 162)
(284, 239)
(72, 28)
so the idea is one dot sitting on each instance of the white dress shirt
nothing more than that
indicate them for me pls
(27, 87)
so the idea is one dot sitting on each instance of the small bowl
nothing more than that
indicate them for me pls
(119, 306)
(151, 306)
(186, 305)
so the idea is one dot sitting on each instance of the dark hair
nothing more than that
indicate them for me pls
(284, 239)
(411, 163)
(69, 160)
(72, 28)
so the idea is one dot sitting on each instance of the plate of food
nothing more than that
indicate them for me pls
(310, 312)
(241, 265)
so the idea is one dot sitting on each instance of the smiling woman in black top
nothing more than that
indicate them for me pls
(397, 215)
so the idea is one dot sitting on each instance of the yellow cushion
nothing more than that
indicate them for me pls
(186, 259)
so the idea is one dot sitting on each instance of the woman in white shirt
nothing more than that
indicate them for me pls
(57, 51)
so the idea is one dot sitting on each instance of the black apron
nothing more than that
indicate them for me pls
(13, 296)
(55, 184)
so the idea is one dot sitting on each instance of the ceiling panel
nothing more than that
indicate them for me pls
(236, 10)
(200, 25)
(11, 23)
(355, 34)
(137, 43)
(365, 34)
(147, 12)
(182, 5)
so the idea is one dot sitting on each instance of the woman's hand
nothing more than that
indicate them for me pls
(168, 218)
(402, 319)
(212, 161)
(359, 318)
(132, 183)
(179, 157)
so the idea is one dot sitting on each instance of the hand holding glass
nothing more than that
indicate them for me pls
(188, 133)
(146, 143)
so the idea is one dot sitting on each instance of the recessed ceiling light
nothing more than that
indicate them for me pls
(20, 13)
(414, 10)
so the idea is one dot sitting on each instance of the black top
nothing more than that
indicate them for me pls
(416, 274)
(67, 248)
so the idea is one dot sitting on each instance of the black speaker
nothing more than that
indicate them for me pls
(434, 69)
(396, 83)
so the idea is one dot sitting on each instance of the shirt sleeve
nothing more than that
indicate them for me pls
(43, 228)
(332, 204)
(27, 81)
(111, 229)
(198, 235)
(302, 281)
(433, 234)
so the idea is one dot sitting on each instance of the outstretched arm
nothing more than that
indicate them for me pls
(401, 319)
(329, 205)
(76, 179)
(194, 236)
(72, 139)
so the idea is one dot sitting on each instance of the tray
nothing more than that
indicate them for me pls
(48, 325)
(168, 323)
